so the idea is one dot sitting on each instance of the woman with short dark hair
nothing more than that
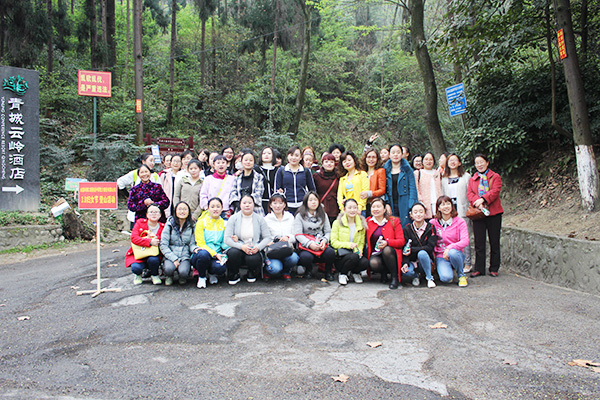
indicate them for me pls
(484, 193)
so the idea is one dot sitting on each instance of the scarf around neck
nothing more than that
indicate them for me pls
(484, 183)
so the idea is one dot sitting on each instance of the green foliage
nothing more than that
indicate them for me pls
(21, 218)
(507, 147)
(112, 156)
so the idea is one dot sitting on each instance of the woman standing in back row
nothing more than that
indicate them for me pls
(484, 193)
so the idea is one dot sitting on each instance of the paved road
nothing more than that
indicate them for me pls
(507, 338)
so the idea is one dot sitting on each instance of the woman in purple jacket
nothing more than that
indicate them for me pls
(146, 193)
(453, 237)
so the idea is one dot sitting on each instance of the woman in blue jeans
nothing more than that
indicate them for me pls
(210, 234)
(177, 243)
(453, 237)
(281, 224)
(417, 257)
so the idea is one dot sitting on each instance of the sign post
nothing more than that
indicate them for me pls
(19, 139)
(95, 84)
(97, 196)
(457, 100)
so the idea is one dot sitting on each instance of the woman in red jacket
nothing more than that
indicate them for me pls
(483, 192)
(146, 232)
(384, 242)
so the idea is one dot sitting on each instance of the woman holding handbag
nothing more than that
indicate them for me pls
(145, 238)
(312, 233)
(484, 194)
(210, 234)
(348, 239)
(281, 257)
(247, 234)
(326, 182)
(384, 242)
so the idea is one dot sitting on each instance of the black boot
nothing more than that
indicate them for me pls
(394, 283)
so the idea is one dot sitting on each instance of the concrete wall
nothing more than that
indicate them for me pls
(20, 236)
(558, 260)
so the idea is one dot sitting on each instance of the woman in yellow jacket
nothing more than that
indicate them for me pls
(353, 182)
(348, 239)
(209, 234)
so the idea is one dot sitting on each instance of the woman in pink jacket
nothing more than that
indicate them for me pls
(453, 237)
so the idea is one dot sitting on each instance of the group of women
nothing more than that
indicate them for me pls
(213, 215)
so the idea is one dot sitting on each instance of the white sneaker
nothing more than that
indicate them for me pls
(343, 279)
(137, 280)
(416, 282)
(169, 281)
(357, 278)
(300, 270)
(156, 280)
(430, 283)
(213, 279)
(201, 283)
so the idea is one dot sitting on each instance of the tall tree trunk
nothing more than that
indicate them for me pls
(111, 44)
(127, 49)
(139, 78)
(213, 40)
(50, 44)
(587, 169)
(172, 61)
(202, 55)
(263, 55)
(549, 36)
(432, 121)
(307, 14)
(584, 30)
(274, 63)
(72, 7)
(94, 54)
(103, 21)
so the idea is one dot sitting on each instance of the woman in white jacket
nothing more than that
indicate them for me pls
(454, 185)
(281, 224)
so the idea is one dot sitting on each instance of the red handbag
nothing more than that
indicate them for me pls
(314, 239)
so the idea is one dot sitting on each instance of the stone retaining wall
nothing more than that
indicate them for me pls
(558, 260)
(25, 235)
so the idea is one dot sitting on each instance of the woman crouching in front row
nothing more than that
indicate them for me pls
(146, 233)
(348, 238)
(453, 237)
(384, 242)
(247, 234)
(417, 257)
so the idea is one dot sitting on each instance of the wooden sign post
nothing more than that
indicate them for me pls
(97, 196)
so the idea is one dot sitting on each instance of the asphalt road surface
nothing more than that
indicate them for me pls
(506, 338)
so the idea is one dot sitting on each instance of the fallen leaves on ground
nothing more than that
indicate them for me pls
(374, 344)
(508, 361)
(594, 366)
(438, 325)
(115, 250)
(74, 287)
(112, 265)
(340, 378)
(23, 318)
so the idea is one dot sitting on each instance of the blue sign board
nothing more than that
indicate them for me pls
(457, 100)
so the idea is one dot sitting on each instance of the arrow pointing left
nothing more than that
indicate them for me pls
(16, 189)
